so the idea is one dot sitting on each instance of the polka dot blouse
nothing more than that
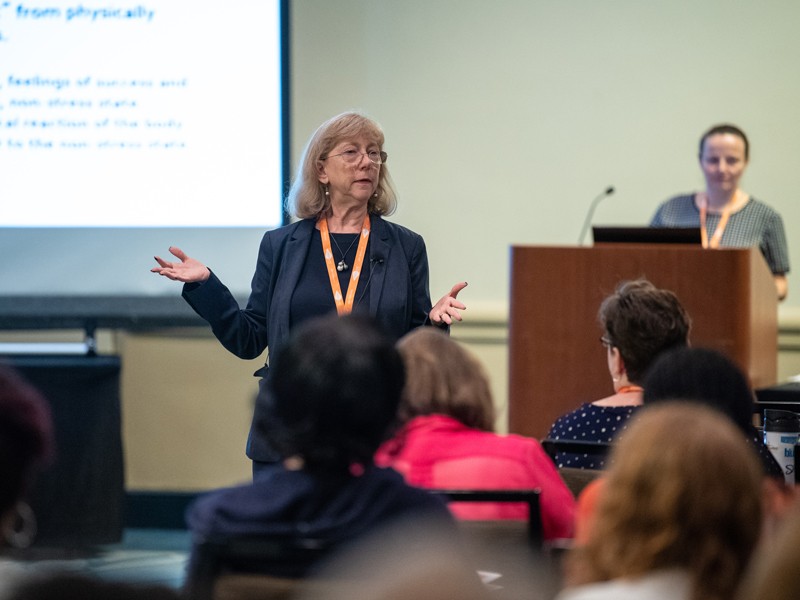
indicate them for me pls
(589, 423)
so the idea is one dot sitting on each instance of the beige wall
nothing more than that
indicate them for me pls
(503, 120)
(187, 405)
(187, 402)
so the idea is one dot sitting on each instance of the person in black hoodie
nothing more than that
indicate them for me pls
(335, 389)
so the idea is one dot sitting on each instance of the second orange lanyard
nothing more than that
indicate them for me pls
(716, 238)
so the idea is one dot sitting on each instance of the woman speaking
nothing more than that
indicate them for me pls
(341, 255)
(728, 216)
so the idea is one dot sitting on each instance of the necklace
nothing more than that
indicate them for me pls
(344, 305)
(341, 265)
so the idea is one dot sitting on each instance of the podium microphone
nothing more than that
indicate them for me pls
(607, 192)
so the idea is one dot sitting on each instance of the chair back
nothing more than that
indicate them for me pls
(577, 479)
(534, 530)
(511, 550)
(553, 446)
(241, 564)
(250, 567)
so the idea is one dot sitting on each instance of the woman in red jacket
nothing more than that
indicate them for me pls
(446, 438)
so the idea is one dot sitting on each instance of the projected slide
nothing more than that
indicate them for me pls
(160, 114)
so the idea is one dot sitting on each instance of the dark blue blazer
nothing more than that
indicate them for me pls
(399, 297)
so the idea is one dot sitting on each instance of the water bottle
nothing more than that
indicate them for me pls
(781, 433)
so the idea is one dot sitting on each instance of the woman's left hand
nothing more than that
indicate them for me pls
(447, 309)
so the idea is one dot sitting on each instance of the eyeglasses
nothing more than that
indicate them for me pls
(352, 157)
(607, 343)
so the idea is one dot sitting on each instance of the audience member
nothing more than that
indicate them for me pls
(710, 378)
(680, 512)
(639, 322)
(707, 377)
(446, 437)
(334, 389)
(26, 444)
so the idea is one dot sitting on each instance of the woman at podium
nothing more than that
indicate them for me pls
(729, 217)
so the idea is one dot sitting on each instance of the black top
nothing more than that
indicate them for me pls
(313, 296)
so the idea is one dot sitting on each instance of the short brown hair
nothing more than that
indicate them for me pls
(307, 197)
(722, 129)
(642, 321)
(442, 377)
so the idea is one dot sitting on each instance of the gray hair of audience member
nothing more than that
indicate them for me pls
(334, 390)
(307, 196)
(642, 321)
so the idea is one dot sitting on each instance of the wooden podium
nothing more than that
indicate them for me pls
(556, 361)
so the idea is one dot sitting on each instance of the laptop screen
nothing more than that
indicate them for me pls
(646, 235)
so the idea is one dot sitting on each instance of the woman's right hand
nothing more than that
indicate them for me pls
(188, 270)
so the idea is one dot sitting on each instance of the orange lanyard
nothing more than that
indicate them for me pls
(345, 306)
(629, 389)
(723, 222)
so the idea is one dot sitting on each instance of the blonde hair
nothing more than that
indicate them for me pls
(307, 197)
(682, 491)
(442, 377)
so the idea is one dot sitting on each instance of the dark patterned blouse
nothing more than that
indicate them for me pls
(755, 225)
(589, 423)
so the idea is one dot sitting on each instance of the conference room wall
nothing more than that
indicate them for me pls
(186, 402)
(503, 120)
(187, 405)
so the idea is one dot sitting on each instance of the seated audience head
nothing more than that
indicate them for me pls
(705, 376)
(641, 321)
(26, 443)
(683, 491)
(444, 378)
(709, 377)
(335, 388)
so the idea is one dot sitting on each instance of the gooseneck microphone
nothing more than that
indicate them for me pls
(607, 192)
